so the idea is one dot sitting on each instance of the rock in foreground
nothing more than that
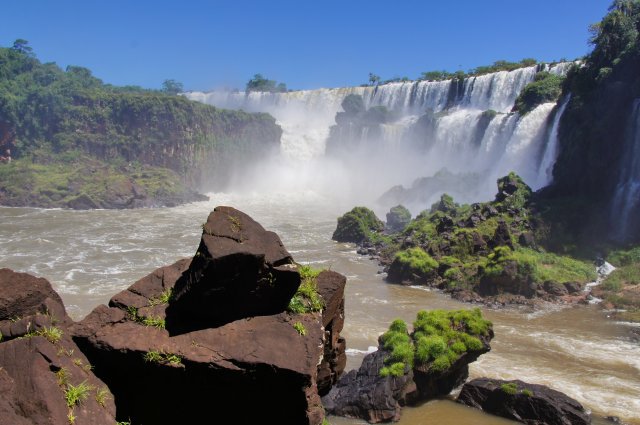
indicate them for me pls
(216, 336)
(409, 368)
(523, 402)
(44, 377)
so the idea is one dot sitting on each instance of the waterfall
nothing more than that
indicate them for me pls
(545, 172)
(626, 197)
(470, 129)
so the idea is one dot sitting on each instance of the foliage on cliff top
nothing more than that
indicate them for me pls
(42, 105)
(545, 87)
(261, 84)
(438, 339)
(358, 225)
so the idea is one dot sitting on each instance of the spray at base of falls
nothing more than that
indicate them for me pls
(473, 131)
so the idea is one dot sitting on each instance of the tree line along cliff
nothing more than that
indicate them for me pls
(51, 117)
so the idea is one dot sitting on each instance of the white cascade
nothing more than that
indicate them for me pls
(474, 129)
(551, 150)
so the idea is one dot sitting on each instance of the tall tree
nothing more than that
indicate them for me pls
(172, 86)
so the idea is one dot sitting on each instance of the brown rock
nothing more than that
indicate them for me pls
(240, 270)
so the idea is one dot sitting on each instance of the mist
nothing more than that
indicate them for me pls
(420, 138)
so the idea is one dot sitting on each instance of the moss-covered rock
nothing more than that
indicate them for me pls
(357, 226)
(412, 265)
(397, 218)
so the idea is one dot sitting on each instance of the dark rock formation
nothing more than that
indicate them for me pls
(363, 393)
(40, 366)
(523, 402)
(240, 270)
(240, 360)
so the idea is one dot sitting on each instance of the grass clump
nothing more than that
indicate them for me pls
(163, 298)
(306, 299)
(509, 388)
(53, 334)
(299, 327)
(439, 338)
(160, 357)
(102, 394)
(76, 394)
(154, 321)
(527, 392)
(417, 260)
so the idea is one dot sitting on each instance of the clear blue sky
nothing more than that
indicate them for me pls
(304, 43)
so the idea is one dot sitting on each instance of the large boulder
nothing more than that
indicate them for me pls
(357, 226)
(398, 218)
(523, 402)
(240, 270)
(412, 367)
(44, 377)
(238, 361)
(365, 394)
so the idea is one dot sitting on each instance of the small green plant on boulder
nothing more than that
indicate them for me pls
(306, 299)
(299, 327)
(509, 388)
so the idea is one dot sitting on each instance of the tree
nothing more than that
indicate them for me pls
(374, 79)
(172, 87)
(22, 46)
(262, 84)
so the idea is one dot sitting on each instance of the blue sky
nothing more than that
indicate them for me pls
(305, 44)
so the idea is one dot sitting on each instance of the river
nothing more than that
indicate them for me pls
(90, 255)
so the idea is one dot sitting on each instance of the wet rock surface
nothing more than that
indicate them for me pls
(528, 403)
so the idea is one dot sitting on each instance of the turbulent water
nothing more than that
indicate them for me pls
(91, 255)
(474, 131)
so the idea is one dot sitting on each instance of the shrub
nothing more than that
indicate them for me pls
(357, 226)
(509, 388)
(299, 327)
(395, 369)
(76, 394)
(306, 299)
(416, 260)
(546, 87)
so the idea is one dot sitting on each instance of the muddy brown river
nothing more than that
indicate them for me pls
(90, 255)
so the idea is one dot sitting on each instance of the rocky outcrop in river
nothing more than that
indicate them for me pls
(528, 403)
(218, 335)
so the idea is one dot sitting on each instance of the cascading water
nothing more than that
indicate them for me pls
(545, 172)
(473, 130)
(627, 194)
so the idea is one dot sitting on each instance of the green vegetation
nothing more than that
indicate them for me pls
(509, 388)
(261, 84)
(163, 298)
(151, 320)
(398, 218)
(160, 357)
(500, 65)
(72, 136)
(76, 394)
(545, 87)
(154, 321)
(52, 334)
(439, 338)
(415, 261)
(299, 327)
(306, 299)
(358, 225)
(62, 376)
(527, 392)
(457, 247)
(102, 394)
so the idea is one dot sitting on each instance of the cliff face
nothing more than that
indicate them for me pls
(54, 120)
(598, 133)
